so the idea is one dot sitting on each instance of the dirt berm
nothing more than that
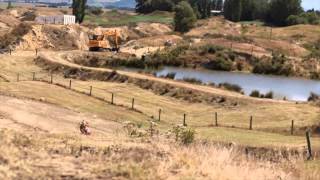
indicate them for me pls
(55, 62)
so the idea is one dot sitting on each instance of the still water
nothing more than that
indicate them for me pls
(297, 89)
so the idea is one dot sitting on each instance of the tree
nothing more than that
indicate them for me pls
(184, 18)
(78, 9)
(248, 10)
(233, 9)
(9, 6)
(280, 10)
(219, 5)
(162, 5)
(204, 8)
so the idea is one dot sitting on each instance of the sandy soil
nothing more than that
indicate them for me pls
(21, 114)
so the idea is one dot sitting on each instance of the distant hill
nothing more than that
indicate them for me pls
(121, 4)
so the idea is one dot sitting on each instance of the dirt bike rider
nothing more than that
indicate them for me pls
(84, 128)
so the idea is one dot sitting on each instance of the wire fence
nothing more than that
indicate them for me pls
(156, 110)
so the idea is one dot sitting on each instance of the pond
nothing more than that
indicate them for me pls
(292, 88)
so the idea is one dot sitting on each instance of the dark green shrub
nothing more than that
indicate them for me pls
(255, 93)
(96, 10)
(304, 18)
(231, 87)
(269, 95)
(219, 63)
(313, 97)
(184, 18)
(192, 80)
(276, 65)
(28, 16)
(171, 75)
(184, 134)
(211, 49)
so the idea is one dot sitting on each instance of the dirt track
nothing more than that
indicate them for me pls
(59, 58)
(25, 114)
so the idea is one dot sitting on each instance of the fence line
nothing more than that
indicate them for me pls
(211, 117)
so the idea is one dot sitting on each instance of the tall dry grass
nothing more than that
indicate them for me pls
(43, 156)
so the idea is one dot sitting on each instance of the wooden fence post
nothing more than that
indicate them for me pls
(132, 103)
(51, 78)
(90, 92)
(36, 51)
(252, 50)
(33, 76)
(292, 127)
(70, 83)
(112, 96)
(216, 118)
(309, 145)
(10, 51)
(18, 77)
(159, 114)
(184, 120)
(250, 126)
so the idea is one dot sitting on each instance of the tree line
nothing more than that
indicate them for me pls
(276, 12)
(201, 8)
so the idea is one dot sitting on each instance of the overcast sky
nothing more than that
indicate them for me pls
(309, 4)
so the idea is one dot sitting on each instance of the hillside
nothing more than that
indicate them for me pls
(146, 125)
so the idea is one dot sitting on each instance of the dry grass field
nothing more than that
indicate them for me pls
(39, 119)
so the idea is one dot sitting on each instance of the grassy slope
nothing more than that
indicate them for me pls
(149, 103)
(116, 18)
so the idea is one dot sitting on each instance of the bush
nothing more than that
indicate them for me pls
(277, 65)
(220, 63)
(231, 87)
(28, 16)
(184, 134)
(171, 75)
(269, 95)
(255, 93)
(95, 10)
(313, 97)
(211, 49)
(184, 18)
(304, 18)
(314, 48)
(192, 80)
(14, 36)
(295, 19)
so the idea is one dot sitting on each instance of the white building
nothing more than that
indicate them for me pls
(60, 19)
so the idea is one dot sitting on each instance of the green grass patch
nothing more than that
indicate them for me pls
(116, 18)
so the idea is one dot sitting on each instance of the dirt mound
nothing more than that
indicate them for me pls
(284, 47)
(9, 20)
(139, 31)
(122, 30)
(216, 25)
(151, 29)
(149, 44)
(55, 37)
(237, 46)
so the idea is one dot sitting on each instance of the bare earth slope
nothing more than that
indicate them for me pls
(48, 118)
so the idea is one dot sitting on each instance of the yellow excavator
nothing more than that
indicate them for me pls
(102, 42)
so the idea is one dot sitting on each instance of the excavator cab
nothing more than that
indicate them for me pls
(103, 41)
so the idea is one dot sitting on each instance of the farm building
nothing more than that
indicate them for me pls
(61, 19)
